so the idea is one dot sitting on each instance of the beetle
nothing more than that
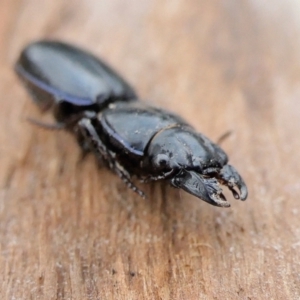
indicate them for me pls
(90, 100)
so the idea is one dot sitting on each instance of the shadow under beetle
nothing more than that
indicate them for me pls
(132, 138)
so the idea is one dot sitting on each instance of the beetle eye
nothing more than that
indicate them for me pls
(161, 160)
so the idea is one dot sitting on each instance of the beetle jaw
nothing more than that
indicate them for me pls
(208, 188)
(232, 179)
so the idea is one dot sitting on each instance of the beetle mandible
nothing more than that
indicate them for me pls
(132, 138)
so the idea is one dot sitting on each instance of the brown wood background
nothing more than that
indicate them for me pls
(71, 231)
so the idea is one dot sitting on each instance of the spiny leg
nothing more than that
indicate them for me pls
(126, 179)
(90, 137)
(158, 177)
(88, 131)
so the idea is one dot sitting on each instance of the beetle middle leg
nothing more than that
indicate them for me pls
(90, 135)
(48, 126)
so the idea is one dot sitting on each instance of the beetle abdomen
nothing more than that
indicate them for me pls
(66, 73)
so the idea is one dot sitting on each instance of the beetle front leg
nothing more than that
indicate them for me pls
(88, 132)
(126, 179)
(158, 177)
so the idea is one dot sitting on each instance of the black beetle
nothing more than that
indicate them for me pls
(132, 138)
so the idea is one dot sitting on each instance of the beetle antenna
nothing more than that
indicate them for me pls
(224, 136)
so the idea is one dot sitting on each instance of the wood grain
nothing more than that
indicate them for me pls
(71, 231)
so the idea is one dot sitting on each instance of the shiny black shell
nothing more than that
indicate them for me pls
(131, 126)
(69, 79)
(131, 130)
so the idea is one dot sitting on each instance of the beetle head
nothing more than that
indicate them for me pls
(166, 152)
(180, 147)
(194, 164)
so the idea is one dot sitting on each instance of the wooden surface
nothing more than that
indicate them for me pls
(71, 231)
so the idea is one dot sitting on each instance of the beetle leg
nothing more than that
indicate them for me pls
(54, 126)
(158, 177)
(69, 123)
(88, 137)
(88, 131)
(231, 178)
(126, 179)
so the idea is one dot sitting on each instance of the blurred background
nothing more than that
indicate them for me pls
(69, 230)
